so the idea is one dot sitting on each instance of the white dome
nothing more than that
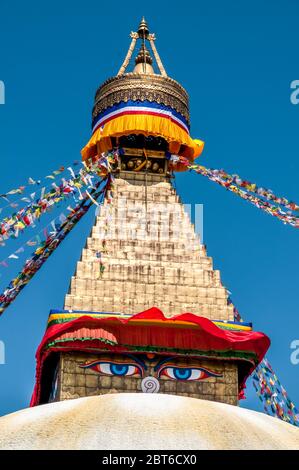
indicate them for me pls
(143, 421)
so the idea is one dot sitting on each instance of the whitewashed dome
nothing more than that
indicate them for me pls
(143, 421)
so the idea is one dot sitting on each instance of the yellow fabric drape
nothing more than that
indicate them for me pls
(147, 125)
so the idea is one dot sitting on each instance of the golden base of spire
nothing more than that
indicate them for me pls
(141, 87)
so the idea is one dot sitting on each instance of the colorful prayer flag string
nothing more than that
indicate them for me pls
(36, 239)
(273, 395)
(270, 391)
(32, 182)
(25, 217)
(282, 208)
(47, 247)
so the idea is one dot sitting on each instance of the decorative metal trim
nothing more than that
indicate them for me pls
(142, 87)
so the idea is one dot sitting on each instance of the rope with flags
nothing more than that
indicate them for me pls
(279, 207)
(49, 245)
(14, 224)
(273, 395)
(34, 182)
(270, 391)
(11, 225)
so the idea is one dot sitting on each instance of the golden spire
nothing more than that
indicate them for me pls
(143, 60)
(143, 30)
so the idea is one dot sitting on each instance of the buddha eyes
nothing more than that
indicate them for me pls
(114, 368)
(123, 369)
(186, 373)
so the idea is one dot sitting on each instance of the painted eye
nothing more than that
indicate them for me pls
(114, 368)
(186, 373)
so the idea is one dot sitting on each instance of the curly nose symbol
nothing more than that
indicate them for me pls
(150, 385)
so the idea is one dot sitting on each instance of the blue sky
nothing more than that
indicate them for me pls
(236, 59)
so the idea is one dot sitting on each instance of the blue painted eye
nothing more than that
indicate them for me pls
(182, 374)
(119, 369)
(114, 368)
(186, 373)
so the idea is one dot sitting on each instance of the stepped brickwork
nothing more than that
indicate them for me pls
(150, 254)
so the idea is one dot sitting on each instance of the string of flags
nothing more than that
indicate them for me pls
(279, 207)
(31, 182)
(101, 166)
(17, 222)
(36, 239)
(252, 187)
(269, 390)
(47, 246)
(27, 216)
(273, 395)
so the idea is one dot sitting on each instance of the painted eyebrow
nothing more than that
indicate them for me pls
(117, 361)
(169, 361)
(138, 360)
(164, 361)
(101, 361)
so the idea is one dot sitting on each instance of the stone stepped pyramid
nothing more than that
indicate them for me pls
(151, 255)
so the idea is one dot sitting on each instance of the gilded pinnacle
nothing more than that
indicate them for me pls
(143, 30)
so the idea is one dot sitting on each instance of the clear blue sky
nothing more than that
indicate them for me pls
(236, 59)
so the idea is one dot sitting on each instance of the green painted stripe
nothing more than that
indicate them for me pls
(66, 340)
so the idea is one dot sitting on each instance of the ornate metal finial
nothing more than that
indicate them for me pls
(143, 56)
(143, 62)
(143, 30)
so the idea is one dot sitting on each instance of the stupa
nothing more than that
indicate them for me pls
(146, 312)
